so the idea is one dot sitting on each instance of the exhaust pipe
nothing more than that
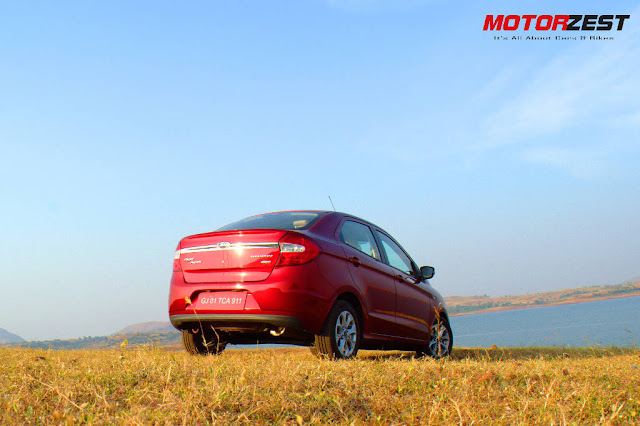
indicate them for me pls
(277, 332)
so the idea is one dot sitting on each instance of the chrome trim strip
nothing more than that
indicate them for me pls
(235, 246)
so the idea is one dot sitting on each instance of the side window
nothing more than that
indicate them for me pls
(397, 258)
(360, 238)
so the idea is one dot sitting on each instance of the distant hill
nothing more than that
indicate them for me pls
(151, 339)
(149, 334)
(6, 337)
(147, 327)
(460, 305)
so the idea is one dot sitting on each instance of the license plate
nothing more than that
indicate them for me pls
(221, 300)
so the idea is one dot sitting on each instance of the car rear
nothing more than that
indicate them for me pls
(251, 281)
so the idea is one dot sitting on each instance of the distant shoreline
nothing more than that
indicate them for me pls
(559, 303)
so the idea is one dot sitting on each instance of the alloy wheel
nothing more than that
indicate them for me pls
(440, 340)
(346, 333)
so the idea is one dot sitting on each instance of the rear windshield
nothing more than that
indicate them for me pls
(285, 220)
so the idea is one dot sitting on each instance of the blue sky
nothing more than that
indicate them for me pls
(511, 166)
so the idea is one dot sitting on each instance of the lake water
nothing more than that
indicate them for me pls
(614, 322)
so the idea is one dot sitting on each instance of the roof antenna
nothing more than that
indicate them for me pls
(334, 207)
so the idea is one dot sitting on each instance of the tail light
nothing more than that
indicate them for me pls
(296, 249)
(176, 261)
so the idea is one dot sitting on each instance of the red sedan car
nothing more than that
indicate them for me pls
(329, 280)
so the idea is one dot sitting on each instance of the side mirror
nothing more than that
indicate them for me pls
(427, 272)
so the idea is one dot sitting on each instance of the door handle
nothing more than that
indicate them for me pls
(356, 262)
(408, 280)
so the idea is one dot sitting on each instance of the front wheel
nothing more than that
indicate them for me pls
(441, 342)
(340, 336)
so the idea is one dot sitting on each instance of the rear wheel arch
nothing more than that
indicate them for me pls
(355, 302)
(341, 334)
(325, 344)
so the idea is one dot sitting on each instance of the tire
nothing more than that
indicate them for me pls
(441, 343)
(314, 349)
(194, 343)
(341, 334)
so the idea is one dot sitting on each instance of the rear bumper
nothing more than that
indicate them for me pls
(273, 321)
(296, 297)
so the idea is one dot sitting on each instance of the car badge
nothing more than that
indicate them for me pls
(224, 245)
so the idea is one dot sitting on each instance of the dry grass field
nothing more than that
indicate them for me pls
(290, 386)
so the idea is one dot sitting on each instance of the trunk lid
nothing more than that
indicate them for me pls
(230, 256)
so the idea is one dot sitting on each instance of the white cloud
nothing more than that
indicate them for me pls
(577, 111)
(585, 86)
(580, 163)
